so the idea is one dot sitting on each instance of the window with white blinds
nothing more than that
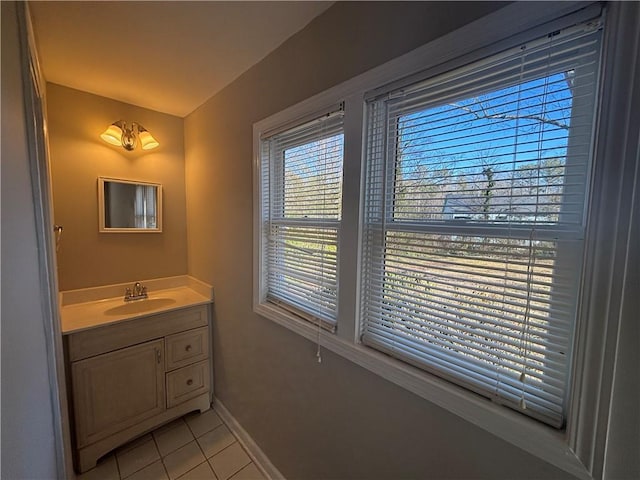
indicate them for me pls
(301, 209)
(145, 206)
(474, 219)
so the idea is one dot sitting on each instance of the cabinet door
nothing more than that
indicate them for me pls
(115, 390)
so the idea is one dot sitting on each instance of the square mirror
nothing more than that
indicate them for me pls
(128, 206)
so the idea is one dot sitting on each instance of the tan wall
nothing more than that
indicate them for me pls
(87, 258)
(335, 419)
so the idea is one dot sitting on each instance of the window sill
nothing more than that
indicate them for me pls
(533, 437)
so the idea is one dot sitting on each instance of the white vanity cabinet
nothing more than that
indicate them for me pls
(118, 389)
(131, 376)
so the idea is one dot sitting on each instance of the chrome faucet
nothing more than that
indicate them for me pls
(138, 292)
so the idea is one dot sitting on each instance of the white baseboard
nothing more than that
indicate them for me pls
(255, 452)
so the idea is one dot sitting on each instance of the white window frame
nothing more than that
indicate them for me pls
(386, 325)
(275, 164)
(579, 448)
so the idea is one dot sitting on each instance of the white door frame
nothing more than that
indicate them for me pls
(35, 113)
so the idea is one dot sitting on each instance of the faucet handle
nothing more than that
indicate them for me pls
(136, 292)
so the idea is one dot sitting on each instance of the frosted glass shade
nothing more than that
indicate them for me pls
(112, 135)
(146, 140)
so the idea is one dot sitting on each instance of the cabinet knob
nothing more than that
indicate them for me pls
(188, 348)
(189, 382)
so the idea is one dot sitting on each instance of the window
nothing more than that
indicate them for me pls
(145, 206)
(302, 199)
(475, 220)
(460, 252)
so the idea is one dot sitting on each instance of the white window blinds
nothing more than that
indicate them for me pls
(474, 216)
(145, 206)
(301, 199)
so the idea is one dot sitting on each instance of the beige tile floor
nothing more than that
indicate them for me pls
(198, 446)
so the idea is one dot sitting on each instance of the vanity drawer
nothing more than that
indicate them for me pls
(186, 347)
(107, 338)
(187, 382)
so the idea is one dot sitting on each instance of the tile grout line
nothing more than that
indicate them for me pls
(195, 439)
(238, 471)
(244, 449)
(185, 473)
(229, 446)
(222, 450)
(206, 460)
(153, 437)
(115, 457)
(264, 465)
(144, 466)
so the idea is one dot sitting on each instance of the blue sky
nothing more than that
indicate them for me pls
(463, 134)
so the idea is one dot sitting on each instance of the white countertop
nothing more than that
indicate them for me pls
(91, 314)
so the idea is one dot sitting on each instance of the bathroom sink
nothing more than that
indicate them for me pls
(140, 306)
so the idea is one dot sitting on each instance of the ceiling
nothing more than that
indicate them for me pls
(167, 56)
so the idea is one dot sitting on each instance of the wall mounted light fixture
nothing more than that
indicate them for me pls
(121, 135)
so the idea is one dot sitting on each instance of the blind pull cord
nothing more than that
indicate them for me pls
(531, 259)
(509, 234)
(525, 323)
(324, 204)
(318, 353)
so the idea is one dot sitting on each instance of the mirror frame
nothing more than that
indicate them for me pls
(102, 228)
